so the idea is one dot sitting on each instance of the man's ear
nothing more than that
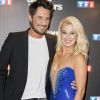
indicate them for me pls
(30, 18)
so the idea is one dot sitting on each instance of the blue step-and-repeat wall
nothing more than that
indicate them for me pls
(14, 17)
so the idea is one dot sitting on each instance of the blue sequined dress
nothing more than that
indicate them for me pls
(63, 90)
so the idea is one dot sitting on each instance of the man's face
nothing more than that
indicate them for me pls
(40, 20)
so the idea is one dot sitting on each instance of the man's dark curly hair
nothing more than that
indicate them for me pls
(41, 3)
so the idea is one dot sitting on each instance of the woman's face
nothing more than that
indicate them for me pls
(68, 36)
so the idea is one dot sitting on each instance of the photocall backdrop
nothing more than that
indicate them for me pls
(14, 17)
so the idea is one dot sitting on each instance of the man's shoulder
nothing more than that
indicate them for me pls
(51, 36)
(17, 34)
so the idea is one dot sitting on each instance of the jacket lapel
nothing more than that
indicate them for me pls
(51, 47)
(49, 44)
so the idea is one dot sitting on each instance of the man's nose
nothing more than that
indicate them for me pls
(43, 21)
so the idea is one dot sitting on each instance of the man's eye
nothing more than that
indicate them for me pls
(39, 17)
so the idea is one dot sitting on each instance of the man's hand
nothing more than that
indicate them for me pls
(73, 85)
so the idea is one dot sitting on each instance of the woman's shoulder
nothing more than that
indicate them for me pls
(79, 59)
(79, 56)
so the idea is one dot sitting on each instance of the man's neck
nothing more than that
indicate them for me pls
(34, 34)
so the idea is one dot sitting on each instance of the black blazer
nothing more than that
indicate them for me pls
(15, 52)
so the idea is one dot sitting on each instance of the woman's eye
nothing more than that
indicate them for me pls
(63, 32)
(72, 33)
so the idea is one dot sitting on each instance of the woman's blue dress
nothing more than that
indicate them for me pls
(63, 90)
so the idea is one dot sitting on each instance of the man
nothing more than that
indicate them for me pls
(28, 54)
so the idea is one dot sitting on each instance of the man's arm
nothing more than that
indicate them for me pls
(4, 61)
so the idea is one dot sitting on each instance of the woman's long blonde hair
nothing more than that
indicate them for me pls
(82, 44)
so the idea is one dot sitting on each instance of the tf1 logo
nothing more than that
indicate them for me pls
(85, 4)
(94, 97)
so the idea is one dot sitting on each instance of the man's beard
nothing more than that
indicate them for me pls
(37, 31)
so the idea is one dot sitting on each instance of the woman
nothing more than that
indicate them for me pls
(70, 61)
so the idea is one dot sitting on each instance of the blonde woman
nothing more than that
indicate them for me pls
(70, 61)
